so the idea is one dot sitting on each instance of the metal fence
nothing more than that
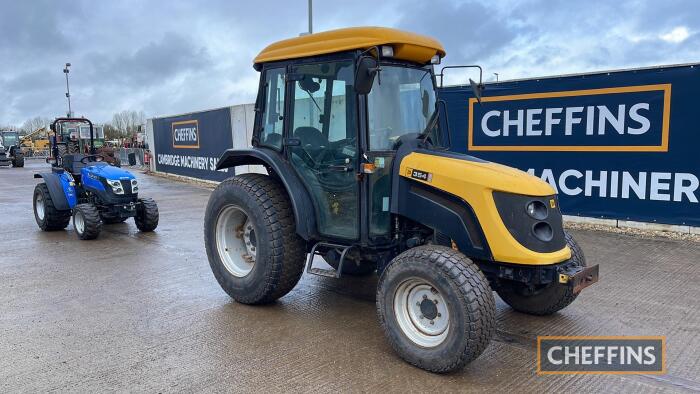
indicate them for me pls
(138, 156)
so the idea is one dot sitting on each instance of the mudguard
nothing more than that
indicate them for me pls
(61, 188)
(304, 213)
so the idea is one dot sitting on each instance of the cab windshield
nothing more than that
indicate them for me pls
(402, 101)
(10, 139)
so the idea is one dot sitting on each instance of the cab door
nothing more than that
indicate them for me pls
(322, 142)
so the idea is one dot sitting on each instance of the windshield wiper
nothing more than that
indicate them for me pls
(432, 122)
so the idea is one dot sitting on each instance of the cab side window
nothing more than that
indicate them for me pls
(273, 109)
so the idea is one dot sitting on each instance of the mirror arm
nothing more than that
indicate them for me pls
(442, 72)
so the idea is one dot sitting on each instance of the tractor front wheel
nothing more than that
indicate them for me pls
(436, 308)
(18, 161)
(147, 215)
(552, 298)
(249, 233)
(45, 213)
(86, 221)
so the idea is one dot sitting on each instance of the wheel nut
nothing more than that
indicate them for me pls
(432, 322)
(439, 315)
(418, 304)
(425, 296)
(435, 302)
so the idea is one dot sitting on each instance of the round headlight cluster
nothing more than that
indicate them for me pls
(537, 210)
(543, 231)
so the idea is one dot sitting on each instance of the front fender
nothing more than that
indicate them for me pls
(61, 189)
(279, 167)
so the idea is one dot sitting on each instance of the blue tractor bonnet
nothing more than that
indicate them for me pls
(109, 172)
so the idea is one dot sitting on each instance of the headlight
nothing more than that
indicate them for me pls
(134, 186)
(537, 210)
(116, 186)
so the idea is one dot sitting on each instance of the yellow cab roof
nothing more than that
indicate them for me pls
(407, 46)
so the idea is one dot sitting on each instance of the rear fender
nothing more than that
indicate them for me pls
(278, 167)
(61, 189)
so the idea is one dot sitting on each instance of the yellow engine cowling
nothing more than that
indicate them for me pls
(475, 181)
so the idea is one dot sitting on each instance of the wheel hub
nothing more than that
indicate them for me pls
(428, 309)
(39, 206)
(235, 240)
(421, 312)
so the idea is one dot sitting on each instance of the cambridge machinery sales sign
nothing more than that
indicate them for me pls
(621, 145)
(190, 145)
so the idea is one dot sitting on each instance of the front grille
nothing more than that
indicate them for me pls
(126, 185)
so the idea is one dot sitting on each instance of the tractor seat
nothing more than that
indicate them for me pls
(72, 163)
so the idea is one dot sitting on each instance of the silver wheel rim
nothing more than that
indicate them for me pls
(79, 222)
(236, 242)
(421, 312)
(39, 206)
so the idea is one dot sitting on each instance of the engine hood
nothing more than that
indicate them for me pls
(109, 172)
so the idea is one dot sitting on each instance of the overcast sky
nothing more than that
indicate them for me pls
(168, 57)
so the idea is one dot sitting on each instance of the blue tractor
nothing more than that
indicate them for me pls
(89, 190)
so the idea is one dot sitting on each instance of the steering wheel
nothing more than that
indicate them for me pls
(92, 159)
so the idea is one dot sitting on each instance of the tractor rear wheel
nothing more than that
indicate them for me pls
(86, 221)
(147, 215)
(553, 298)
(252, 246)
(436, 308)
(47, 216)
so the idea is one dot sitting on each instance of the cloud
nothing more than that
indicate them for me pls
(166, 57)
(677, 35)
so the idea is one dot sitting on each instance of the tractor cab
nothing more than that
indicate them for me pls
(340, 117)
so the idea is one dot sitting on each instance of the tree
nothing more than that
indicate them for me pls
(127, 122)
(111, 132)
(35, 123)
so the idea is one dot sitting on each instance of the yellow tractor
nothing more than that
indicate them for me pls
(355, 143)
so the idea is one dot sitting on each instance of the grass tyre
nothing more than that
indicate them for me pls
(550, 299)
(256, 205)
(45, 213)
(86, 221)
(147, 215)
(436, 308)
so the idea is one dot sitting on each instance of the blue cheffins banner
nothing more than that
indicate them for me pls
(190, 145)
(621, 145)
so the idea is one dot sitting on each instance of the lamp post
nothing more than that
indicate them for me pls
(311, 29)
(496, 74)
(66, 70)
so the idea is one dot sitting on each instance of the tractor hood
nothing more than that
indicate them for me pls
(109, 172)
(461, 174)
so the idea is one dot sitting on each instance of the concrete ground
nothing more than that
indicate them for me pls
(142, 312)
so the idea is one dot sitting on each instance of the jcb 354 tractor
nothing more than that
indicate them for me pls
(351, 134)
(90, 191)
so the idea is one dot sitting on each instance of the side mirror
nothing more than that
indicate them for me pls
(367, 68)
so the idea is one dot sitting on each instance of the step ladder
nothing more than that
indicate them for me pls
(318, 250)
